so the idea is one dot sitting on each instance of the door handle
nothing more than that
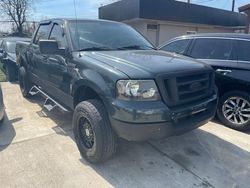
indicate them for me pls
(222, 71)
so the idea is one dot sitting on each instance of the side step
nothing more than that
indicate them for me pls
(49, 103)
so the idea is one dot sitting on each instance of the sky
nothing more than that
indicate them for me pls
(44, 9)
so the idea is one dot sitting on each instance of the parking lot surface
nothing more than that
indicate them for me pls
(37, 149)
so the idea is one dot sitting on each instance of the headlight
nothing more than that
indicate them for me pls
(140, 90)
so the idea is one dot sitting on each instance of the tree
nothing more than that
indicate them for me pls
(16, 10)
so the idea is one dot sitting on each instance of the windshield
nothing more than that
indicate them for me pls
(92, 35)
(11, 47)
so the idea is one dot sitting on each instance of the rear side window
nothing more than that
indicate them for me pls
(42, 33)
(178, 47)
(213, 49)
(243, 50)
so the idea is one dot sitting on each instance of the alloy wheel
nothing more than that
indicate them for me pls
(236, 110)
(86, 133)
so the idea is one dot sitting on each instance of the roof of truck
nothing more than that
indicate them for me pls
(79, 20)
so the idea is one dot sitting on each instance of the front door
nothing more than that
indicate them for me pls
(219, 53)
(58, 71)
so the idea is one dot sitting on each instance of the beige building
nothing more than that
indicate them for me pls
(161, 20)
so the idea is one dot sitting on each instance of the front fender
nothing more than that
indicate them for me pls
(95, 81)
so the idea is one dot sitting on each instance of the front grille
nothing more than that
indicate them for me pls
(186, 88)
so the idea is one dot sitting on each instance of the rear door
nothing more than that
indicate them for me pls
(38, 61)
(243, 56)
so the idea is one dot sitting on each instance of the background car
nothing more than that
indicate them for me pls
(2, 107)
(229, 55)
(8, 57)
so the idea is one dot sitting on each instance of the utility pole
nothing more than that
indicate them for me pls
(233, 5)
(189, 1)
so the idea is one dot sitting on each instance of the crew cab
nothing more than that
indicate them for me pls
(229, 55)
(115, 82)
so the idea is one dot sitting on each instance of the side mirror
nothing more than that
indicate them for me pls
(50, 47)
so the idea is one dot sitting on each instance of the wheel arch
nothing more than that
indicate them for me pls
(87, 90)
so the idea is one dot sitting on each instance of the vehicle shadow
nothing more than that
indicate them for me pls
(196, 159)
(63, 120)
(7, 132)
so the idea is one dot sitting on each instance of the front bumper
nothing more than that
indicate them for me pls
(154, 120)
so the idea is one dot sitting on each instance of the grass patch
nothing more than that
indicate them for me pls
(2, 75)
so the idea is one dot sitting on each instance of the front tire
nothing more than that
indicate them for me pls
(94, 136)
(24, 82)
(234, 110)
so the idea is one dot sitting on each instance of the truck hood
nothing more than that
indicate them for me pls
(147, 63)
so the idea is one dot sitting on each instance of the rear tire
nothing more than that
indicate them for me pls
(233, 115)
(24, 82)
(10, 73)
(94, 136)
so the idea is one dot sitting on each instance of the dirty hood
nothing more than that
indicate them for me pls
(147, 63)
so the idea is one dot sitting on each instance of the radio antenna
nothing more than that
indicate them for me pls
(77, 33)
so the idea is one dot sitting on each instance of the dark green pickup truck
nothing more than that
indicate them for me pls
(116, 83)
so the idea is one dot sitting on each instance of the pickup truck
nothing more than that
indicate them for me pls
(115, 82)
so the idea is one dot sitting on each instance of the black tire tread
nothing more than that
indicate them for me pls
(99, 116)
(27, 87)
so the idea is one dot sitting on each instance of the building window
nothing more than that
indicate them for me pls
(191, 32)
(152, 26)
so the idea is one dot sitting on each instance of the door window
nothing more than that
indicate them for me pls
(243, 50)
(42, 33)
(178, 47)
(221, 49)
(57, 34)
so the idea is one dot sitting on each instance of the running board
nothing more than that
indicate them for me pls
(49, 103)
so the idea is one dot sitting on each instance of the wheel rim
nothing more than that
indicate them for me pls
(236, 110)
(86, 133)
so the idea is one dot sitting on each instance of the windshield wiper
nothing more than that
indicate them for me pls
(135, 47)
(96, 49)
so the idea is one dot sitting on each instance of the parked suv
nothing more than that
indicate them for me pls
(8, 56)
(116, 83)
(229, 55)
